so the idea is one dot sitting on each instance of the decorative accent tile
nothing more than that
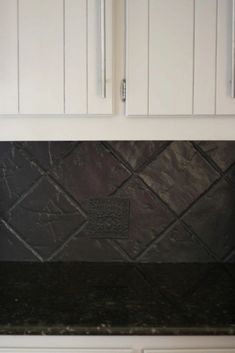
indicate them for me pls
(179, 175)
(108, 218)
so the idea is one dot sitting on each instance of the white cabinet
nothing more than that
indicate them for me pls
(54, 55)
(179, 57)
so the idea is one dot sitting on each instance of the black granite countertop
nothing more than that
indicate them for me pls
(116, 299)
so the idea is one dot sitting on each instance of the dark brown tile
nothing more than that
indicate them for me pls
(45, 218)
(179, 175)
(136, 153)
(177, 246)
(11, 248)
(221, 152)
(90, 172)
(148, 217)
(17, 175)
(212, 218)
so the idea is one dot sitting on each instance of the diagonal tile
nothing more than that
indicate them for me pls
(136, 153)
(221, 152)
(11, 249)
(90, 172)
(213, 219)
(177, 246)
(45, 218)
(85, 249)
(48, 154)
(148, 217)
(17, 175)
(179, 175)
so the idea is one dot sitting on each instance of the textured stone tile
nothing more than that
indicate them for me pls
(12, 249)
(148, 217)
(17, 175)
(45, 218)
(231, 174)
(177, 246)
(221, 152)
(90, 172)
(213, 219)
(179, 175)
(48, 154)
(85, 249)
(136, 153)
(108, 218)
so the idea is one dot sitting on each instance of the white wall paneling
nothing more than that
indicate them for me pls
(75, 56)
(8, 57)
(205, 56)
(170, 57)
(137, 16)
(41, 53)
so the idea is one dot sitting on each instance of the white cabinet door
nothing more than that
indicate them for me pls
(179, 57)
(8, 57)
(56, 56)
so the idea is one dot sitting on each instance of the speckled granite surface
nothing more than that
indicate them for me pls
(118, 299)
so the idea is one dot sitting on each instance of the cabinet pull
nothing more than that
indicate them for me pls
(233, 52)
(103, 46)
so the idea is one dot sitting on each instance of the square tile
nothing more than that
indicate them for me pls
(179, 175)
(177, 246)
(90, 172)
(48, 154)
(45, 218)
(136, 153)
(17, 175)
(108, 218)
(212, 218)
(221, 152)
(11, 248)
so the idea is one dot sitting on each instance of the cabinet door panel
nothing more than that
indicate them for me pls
(205, 56)
(171, 57)
(225, 103)
(41, 68)
(75, 56)
(8, 57)
(96, 103)
(137, 57)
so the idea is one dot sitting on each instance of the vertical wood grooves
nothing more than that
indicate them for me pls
(18, 54)
(216, 57)
(194, 43)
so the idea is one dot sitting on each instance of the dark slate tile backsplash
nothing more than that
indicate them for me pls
(165, 202)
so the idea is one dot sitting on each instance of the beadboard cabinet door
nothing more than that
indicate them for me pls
(179, 57)
(56, 56)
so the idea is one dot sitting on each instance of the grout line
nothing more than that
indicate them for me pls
(22, 241)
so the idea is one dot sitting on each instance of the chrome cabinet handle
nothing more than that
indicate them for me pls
(103, 46)
(233, 52)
